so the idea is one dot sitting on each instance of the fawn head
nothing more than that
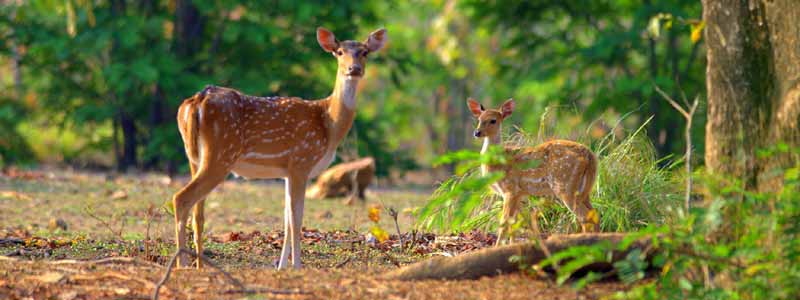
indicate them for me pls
(351, 55)
(489, 119)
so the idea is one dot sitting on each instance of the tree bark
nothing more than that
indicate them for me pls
(753, 90)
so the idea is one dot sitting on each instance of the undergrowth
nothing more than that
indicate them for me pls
(632, 190)
(736, 244)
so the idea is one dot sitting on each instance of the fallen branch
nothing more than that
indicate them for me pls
(106, 260)
(102, 261)
(495, 261)
(341, 264)
(4, 241)
(391, 259)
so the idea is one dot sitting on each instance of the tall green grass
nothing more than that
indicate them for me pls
(632, 190)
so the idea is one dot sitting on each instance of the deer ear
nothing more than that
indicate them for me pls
(508, 107)
(326, 39)
(376, 40)
(475, 107)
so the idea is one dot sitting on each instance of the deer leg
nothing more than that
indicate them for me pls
(587, 216)
(535, 222)
(297, 186)
(198, 219)
(197, 189)
(197, 222)
(510, 208)
(287, 227)
(566, 189)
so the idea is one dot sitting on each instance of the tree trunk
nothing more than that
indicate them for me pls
(129, 145)
(753, 89)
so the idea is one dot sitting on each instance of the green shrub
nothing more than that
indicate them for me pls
(631, 191)
(737, 244)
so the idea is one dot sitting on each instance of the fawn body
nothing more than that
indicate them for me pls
(226, 131)
(566, 170)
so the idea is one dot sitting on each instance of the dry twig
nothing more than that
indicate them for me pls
(106, 260)
(688, 115)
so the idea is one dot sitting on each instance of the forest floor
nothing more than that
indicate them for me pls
(84, 235)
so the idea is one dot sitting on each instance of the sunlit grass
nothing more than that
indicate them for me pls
(632, 190)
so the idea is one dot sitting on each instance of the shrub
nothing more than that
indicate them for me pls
(632, 190)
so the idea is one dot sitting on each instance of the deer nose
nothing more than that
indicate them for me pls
(477, 133)
(355, 70)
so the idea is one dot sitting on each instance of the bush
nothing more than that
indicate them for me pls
(738, 244)
(632, 191)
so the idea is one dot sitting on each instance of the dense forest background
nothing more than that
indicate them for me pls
(97, 83)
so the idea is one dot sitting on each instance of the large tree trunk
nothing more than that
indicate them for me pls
(753, 89)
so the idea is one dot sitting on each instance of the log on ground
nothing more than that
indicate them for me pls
(496, 261)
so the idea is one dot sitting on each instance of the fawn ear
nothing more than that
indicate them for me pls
(376, 40)
(327, 40)
(475, 107)
(508, 107)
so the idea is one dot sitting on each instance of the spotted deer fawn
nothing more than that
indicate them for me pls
(226, 131)
(565, 170)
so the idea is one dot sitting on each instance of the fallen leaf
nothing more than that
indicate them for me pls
(16, 195)
(49, 277)
(68, 295)
(380, 234)
(118, 195)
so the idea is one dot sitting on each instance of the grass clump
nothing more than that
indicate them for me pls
(632, 190)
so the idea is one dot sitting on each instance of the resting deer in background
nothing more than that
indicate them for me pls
(226, 131)
(565, 170)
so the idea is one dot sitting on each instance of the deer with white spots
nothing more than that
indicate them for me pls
(226, 131)
(558, 168)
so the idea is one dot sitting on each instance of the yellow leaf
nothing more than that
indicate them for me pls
(752, 270)
(375, 214)
(697, 31)
(666, 268)
(380, 234)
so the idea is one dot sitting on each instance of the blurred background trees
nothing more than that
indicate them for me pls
(97, 83)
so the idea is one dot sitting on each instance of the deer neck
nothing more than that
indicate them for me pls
(341, 108)
(488, 142)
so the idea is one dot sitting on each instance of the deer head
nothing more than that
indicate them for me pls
(489, 120)
(351, 55)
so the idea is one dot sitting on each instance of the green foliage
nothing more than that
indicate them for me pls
(89, 64)
(13, 147)
(632, 190)
(738, 245)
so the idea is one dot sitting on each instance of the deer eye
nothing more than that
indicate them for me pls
(493, 121)
(339, 52)
(364, 53)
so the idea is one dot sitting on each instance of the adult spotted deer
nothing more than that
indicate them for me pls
(226, 131)
(559, 168)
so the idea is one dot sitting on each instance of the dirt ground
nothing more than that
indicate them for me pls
(79, 235)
